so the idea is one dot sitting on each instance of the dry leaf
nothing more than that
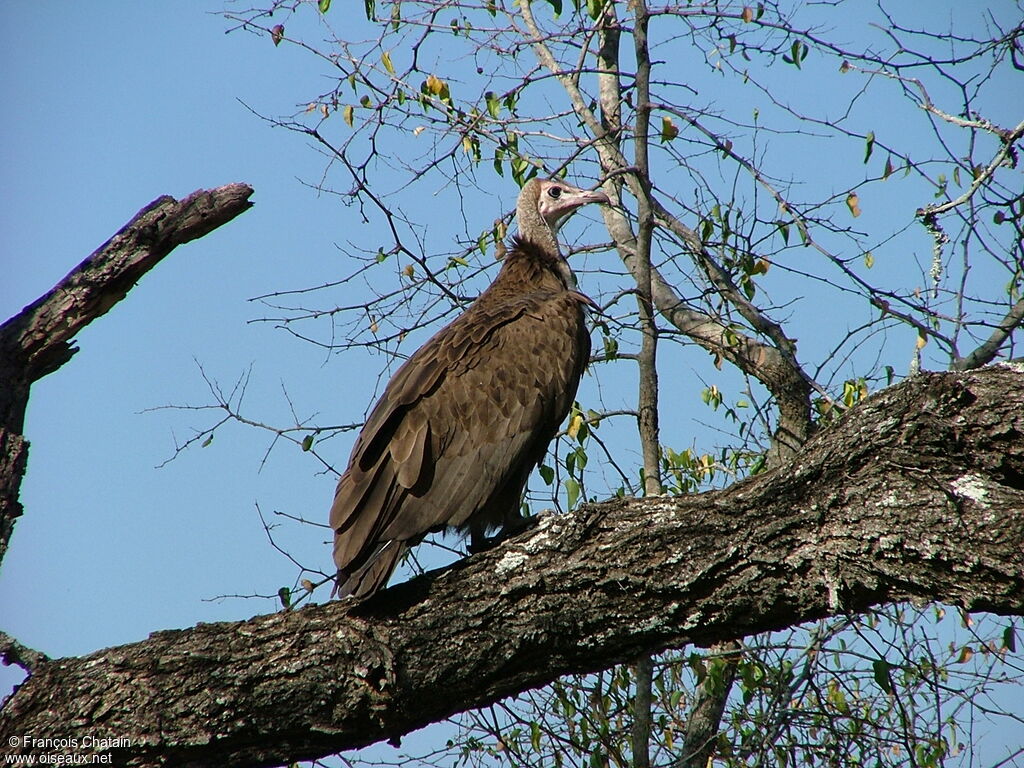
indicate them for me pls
(853, 203)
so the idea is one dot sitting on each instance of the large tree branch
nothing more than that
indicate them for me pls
(38, 340)
(916, 494)
(987, 351)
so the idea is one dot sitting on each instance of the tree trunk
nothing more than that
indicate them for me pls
(916, 494)
(38, 340)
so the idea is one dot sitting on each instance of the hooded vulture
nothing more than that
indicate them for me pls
(463, 422)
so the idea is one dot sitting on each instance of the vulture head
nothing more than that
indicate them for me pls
(545, 204)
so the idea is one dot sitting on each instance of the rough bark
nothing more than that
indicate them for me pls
(38, 340)
(915, 495)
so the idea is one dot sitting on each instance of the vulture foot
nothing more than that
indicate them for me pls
(481, 543)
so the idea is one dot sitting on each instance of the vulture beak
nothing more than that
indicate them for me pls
(558, 201)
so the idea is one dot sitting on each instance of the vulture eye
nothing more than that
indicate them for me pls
(555, 193)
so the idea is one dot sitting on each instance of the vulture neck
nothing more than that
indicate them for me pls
(533, 229)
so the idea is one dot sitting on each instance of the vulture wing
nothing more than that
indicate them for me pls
(458, 429)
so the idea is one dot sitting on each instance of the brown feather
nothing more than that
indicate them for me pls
(463, 422)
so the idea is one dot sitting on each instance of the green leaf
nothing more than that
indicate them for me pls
(1010, 639)
(581, 456)
(783, 230)
(385, 59)
(207, 441)
(285, 594)
(547, 474)
(869, 147)
(325, 6)
(307, 442)
(805, 236)
(611, 347)
(369, 6)
(572, 491)
(557, 6)
(880, 668)
(493, 104)
(797, 53)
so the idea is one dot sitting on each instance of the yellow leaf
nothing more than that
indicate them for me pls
(869, 259)
(385, 59)
(347, 113)
(853, 203)
(747, 15)
(323, 110)
(435, 85)
(307, 585)
(668, 129)
(921, 340)
(574, 425)
(373, 325)
(409, 270)
(467, 144)
(965, 655)
(760, 267)
(311, 106)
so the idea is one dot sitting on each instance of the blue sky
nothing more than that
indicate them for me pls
(103, 111)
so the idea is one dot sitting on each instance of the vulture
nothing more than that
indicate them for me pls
(463, 422)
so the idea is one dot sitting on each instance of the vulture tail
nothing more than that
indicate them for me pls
(374, 574)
